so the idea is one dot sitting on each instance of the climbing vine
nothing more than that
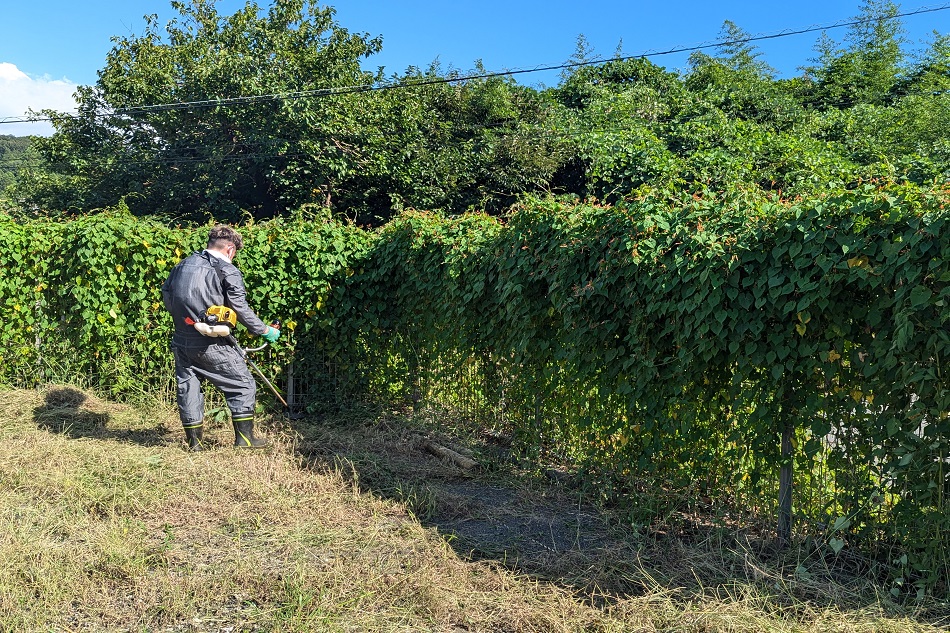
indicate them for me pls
(656, 346)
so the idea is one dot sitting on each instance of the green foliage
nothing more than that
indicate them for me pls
(667, 346)
(931, 72)
(585, 83)
(655, 346)
(867, 68)
(434, 140)
(209, 160)
(86, 293)
(14, 152)
(728, 126)
(470, 144)
(90, 285)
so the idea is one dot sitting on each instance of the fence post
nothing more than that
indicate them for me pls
(785, 482)
(38, 340)
(291, 400)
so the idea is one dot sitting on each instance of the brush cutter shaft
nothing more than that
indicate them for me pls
(264, 378)
(257, 369)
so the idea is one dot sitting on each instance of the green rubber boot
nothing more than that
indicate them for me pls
(193, 435)
(244, 432)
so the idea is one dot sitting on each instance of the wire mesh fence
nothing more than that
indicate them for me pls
(715, 467)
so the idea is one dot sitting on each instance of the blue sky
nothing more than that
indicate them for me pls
(48, 47)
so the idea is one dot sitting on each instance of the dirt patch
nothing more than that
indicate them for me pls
(501, 521)
(532, 524)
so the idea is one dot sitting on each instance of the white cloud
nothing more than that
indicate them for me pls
(19, 92)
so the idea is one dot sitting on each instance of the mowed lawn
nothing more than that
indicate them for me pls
(107, 524)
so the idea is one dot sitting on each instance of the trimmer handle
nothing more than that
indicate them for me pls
(274, 324)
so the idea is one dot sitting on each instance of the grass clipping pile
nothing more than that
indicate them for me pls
(107, 524)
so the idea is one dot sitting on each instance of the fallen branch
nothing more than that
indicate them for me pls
(447, 453)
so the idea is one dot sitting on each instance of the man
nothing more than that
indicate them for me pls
(204, 279)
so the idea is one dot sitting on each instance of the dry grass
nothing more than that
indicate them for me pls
(107, 524)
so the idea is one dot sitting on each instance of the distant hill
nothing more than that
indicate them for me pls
(12, 150)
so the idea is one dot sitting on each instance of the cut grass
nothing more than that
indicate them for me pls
(107, 524)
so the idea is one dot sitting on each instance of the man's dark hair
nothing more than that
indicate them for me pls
(223, 233)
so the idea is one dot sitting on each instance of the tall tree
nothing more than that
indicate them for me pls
(930, 74)
(736, 80)
(229, 146)
(437, 143)
(866, 68)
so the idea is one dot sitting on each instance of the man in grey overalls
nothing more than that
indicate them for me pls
(205, 279)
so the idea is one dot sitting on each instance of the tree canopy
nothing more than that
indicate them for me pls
(254, 155)
(264, 112)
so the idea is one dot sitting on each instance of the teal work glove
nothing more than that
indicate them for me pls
(271, 334)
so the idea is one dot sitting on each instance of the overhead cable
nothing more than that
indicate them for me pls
(344, 90)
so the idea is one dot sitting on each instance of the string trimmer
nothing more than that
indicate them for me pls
(218, 321)
(244, 353)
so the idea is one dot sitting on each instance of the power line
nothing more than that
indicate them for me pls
(344, 90)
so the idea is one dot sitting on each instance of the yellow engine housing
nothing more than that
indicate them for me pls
(221, 315)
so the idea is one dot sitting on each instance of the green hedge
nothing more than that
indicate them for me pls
(664, 349)
(83, 298)
(667, 348)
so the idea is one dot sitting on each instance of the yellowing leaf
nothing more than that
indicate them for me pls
(800, 328)
(119, 268)
(113, 314)
(833, 356)
(291, 325)
(858, 262)
(857, 395)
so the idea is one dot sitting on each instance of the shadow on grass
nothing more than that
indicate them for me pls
(543, 528)
(65, 411)
(549, 529)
